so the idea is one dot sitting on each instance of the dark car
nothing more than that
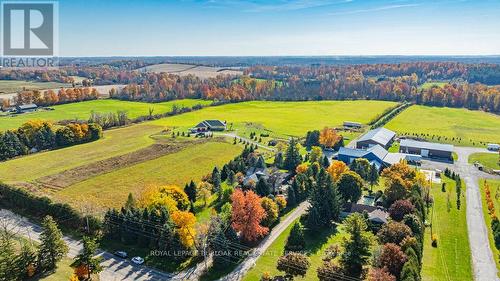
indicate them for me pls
(121, 254)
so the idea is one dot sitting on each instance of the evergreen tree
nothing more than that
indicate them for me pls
(350, 186)
(6, 255)
(25, 261)
(11, 146)
(291, 199)
(52, 247)
(216, 179)
(312, 139)
(231, 177)
(373, 175)
(190, 190)
(325, 202)
(325, 162)
(262, 188)
(224, 173)
(86, 258)
(292, 156)
(260, 162)
(362, 167)
(356, 246)
(278, 160)
(131, 203)
(295, 241)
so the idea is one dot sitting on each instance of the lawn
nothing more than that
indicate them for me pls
(451, 260)
(13, 86)
(282, 119)
(115, 142)
(455, 125)
(428, 85)
(495, 190)
(490, 160)
(316, 244)
(81, 110)
(112, 189)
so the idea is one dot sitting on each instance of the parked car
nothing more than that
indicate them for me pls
(121, 254)
(138, 260)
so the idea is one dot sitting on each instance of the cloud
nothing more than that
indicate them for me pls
(273, 6)
(375, 9)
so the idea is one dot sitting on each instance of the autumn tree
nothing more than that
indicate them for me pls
(379, 274)
(328, 137)
(86, 258)
(350, 186)
(393, 232)
(336, 169)
(316, 154)
(392, 258)
(52, 246)
(272, 211)
(302, 168)
(356, 245)
(184, 224)
(247, 215)
(401, 208)
(293, 264)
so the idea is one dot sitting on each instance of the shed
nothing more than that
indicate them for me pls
(352, 125)
(26, 108)
(380, 136)
(427, 149)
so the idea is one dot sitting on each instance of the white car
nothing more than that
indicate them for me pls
(138, 260)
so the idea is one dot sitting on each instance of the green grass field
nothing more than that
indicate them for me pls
(283, 118)
(473, 127)
(490, 160)
(12, 86)
(112, 189)
(428, 85)
(451, 260)
(494, 189)
(81, 110)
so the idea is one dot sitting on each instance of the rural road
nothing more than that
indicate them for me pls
(114, 268)
(234, 135)
(483, 262)
(239, 272)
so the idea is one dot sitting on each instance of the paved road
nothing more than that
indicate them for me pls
(483, 262)
(114, 268)
(239, 272)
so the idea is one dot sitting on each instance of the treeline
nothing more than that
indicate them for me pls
(50, 97)
(36, 135)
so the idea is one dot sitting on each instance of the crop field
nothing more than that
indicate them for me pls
(282, 118)
(451, 259)
(81, 110)
(448, 125)
(495, 193)
(111, 189)
(13, 86)
(187, 69)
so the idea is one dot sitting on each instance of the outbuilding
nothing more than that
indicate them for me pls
(352, 125)
(26, 108)
(380, 136)
(427, 149)
(209, 125)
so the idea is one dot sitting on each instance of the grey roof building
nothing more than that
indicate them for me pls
(426, 149)
(380, 136)
(26, 108)
(209, 125)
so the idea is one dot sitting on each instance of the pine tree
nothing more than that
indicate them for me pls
(190, 190)
(224, 172)
(131, 203)
(373, 175)
(325, 162)
(356, 246)
(278, 160)
(86, 258)
(52, 247)
(325, 202)
(262, 188)
(216, 179)
(7, 251)
(296, 241)
(260, 162)
(291, 199)
(292, 156)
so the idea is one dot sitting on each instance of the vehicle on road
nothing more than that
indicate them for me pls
(121, 254)
(138, 260)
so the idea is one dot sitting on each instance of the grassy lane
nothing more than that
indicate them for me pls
(490, 160)
(115, 142)
(495, 195)
(451, 260)
(471, 126)
(81, 110)
(111, 189)
(283, 118)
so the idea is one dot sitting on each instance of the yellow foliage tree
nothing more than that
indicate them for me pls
(302, 168)
(73, 277)
(185, 224)
(151, 195)
(329, 137)
(336, 169)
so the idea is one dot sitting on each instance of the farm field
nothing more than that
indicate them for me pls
(111, 189)
(282, 119)
(495, 190)
(13, 86)
(189, 69)
(81, 110)
(451, 259)
(428, 85)
(490, 160)
(316, 244)
(455, 125)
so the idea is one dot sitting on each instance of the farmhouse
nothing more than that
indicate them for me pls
(274, 177)
(352, 125)
(26, 108)
(209, 125)
(426, 149)
(376, 215)
(380, 136)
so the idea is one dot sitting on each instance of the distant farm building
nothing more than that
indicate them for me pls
(426, 149)
(209, 125)
(26, 108)
(352, 125)
(380, 136)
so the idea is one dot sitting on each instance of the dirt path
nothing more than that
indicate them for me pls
(81, 173)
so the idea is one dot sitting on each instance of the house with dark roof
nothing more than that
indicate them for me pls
(26, 108)
(376, 155)
(209, 125)
(376, 215)
(380, 136)
(426, 149)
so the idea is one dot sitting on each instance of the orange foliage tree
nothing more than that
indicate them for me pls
(329, 137)
(185, 223)
(247, 215)
(336, 169)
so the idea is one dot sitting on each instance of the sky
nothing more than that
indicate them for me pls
(278, 28)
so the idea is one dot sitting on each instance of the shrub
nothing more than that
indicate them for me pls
(400, 208)
(434, 240)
